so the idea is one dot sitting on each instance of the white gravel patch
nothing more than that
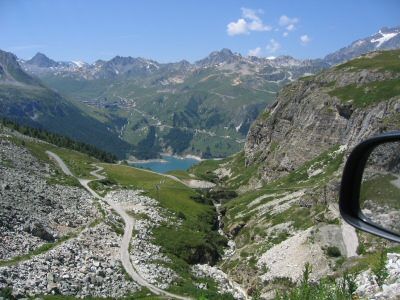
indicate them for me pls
(287, 259)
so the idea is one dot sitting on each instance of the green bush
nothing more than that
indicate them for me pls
(6, 293)
(361, 249)
(333, 251)
(181, 215)
(380, 270)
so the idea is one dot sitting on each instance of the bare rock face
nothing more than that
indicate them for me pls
(307, 119)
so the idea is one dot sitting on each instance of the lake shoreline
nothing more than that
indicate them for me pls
(162, 160)
(167, 163)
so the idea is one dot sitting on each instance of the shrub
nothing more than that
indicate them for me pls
(6, 293)
(333, 251)
(380, 270)
(181, 215)
(361, 249)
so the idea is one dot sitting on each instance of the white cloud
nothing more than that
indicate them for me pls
(305, 39)
(288, 23)
(290, 27)
(250, 21)
(255, 52)
(285, 34)
(273, 46)
(239, 27)
(251, 14)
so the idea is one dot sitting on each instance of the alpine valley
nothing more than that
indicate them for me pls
(261, 223)
(203, 109)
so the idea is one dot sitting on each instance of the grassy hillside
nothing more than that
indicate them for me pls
(380, 61)
(368, 94)
(43, 108)
(364, 95)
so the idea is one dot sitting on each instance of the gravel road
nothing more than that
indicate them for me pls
(129, 222)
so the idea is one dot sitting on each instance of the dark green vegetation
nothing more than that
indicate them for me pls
(60, 141)
(368, 94)
(379, 269)
(333, 251)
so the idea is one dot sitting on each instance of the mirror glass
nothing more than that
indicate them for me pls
(380, 188)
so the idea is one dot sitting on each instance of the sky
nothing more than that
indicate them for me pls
(172, 30)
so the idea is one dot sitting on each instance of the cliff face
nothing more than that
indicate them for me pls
(341, 106)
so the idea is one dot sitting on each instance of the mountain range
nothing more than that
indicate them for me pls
(204, 108)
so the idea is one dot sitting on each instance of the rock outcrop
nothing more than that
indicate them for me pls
(316, 113)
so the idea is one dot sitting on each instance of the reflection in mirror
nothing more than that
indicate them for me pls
(380, 188)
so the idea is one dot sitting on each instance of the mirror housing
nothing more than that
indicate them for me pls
(349, 198)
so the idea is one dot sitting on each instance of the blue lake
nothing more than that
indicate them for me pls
(169, 163)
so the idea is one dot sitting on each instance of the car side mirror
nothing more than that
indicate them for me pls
(370, 188)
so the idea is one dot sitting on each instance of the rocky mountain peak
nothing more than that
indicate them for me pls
(216, 57)
(41, 60)
(7, 58)
(284, 61)
(384, 39)
(130, 65)
(11, 72)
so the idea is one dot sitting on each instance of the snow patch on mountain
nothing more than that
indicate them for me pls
(384, 38)
(238, 127)
(79, 63)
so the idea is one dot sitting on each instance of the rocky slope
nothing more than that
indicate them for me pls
(52, 240)
(32, 212)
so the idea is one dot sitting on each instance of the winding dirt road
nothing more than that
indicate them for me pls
(129, 224)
